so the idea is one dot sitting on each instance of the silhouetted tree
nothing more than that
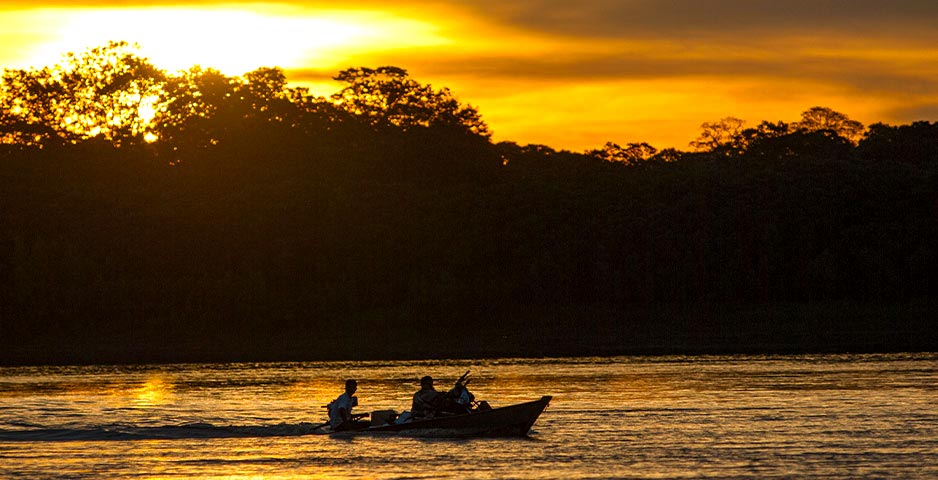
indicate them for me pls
(762, 132)
(718, 135)
(388, 96)
(915, 144)
(199, 104)
(631, 154)
(823, 118)
(204, 107)
(107, 91)
(669, 155)
(801, 145)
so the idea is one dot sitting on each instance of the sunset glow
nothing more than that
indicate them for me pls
(232, 39)
(542, 71)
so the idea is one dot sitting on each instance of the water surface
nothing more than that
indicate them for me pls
(830, 416)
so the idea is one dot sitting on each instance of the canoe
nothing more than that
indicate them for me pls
(509, 421)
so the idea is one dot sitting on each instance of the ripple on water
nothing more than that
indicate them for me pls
(629, 417)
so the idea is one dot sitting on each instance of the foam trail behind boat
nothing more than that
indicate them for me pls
(125, 432)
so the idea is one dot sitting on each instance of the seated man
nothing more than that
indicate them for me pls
(425, 400)
(340, 409)
(459, 400)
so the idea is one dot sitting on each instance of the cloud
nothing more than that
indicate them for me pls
(710, 18)
(912, 113)
(899, 71)
(626, 18)
(911, 20)
(862, 46)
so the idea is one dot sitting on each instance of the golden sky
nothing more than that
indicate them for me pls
(568, 74)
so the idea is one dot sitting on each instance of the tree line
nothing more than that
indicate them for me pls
(149, 215)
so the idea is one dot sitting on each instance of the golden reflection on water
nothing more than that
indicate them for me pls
(312, 392)
(728, 417)
(155, 391)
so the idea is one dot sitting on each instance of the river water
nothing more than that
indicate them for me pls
(825, 416)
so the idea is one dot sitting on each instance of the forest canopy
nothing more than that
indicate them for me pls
(153, 215)
(112, 93)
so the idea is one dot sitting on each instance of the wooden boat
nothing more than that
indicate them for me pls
(509, 421)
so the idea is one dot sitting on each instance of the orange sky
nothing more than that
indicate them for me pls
(570, 75)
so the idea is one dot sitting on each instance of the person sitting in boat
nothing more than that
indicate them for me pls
(459, 399)
(426, 400)
(461, 395)
(340, 409)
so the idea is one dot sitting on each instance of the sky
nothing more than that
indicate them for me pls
(568, 74)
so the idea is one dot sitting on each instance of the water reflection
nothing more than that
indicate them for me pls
(155, 391)
(721, 417)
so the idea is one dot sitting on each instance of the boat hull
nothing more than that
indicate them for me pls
(510, 421)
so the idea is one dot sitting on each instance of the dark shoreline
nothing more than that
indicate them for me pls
(103, 357)
(265, 223)
(675, 330)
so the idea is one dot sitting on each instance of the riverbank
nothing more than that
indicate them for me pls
(523, 332)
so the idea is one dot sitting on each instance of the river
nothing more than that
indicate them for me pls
(813, 416)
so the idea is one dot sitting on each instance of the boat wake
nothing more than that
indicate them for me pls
(168, 432)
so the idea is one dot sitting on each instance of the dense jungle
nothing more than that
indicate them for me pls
(148, 215)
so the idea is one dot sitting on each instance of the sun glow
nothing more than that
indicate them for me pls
(231, 38)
